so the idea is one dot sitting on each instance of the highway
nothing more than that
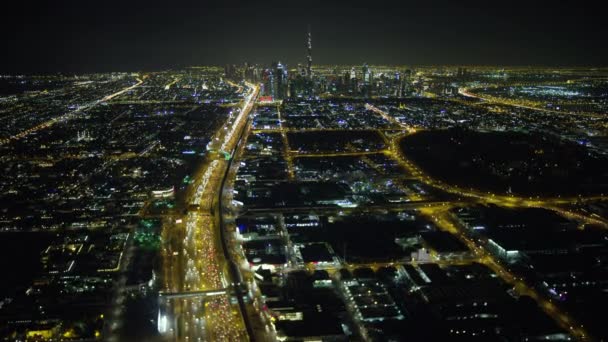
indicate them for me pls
(194, 258)
(389, 118)
(282, 129)
(233, 265)
(332, 268)
(286, 148)
(256, 318)
(494, 100)
(296, 154)
(361, 208)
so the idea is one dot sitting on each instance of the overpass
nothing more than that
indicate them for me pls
(190, 294)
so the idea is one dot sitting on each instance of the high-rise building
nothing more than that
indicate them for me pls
(301, 70)
(309, 56)
(353, 81)
(268, 83)
(280, 72)
(462, 73)
(230, 71)
(366, 87)
(367, 74)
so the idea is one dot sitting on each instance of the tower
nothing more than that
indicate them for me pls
(281, 80)
(353, 81)
(309, 56)
(367, 80)
(367, 74)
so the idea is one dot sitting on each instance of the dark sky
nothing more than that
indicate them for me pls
(89, 35)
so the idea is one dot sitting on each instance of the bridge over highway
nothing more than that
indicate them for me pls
(190, 294)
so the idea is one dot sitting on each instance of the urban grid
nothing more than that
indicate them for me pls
(275, 202)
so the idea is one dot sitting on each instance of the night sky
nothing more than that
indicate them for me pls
(82, 36)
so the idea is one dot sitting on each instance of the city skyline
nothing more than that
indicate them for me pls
(253, 203)
(69, 37)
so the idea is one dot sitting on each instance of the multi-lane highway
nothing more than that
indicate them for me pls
(193, 254)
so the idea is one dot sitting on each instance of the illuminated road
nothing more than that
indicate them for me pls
(168, 85)
(296, 154)
(68, 115)
(389, 118)
(436, 211)
(359, 208)
(442, 220)
(336, 267)
(551, 203)
(290, 168)
(507, 102)
(193, 253)
(319, 129)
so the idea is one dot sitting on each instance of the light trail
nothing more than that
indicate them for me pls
(286, 149)
(202, 266)
(200, 190)
(549, 203)
(389, 118)
(506, 102)
(297, 154)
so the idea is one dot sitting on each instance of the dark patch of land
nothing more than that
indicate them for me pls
(526, 164)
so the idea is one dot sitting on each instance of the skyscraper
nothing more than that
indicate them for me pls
(268, 83)
(367, 74)
(353, 81)
(367, 80)
(281, 78)
(309, 56)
